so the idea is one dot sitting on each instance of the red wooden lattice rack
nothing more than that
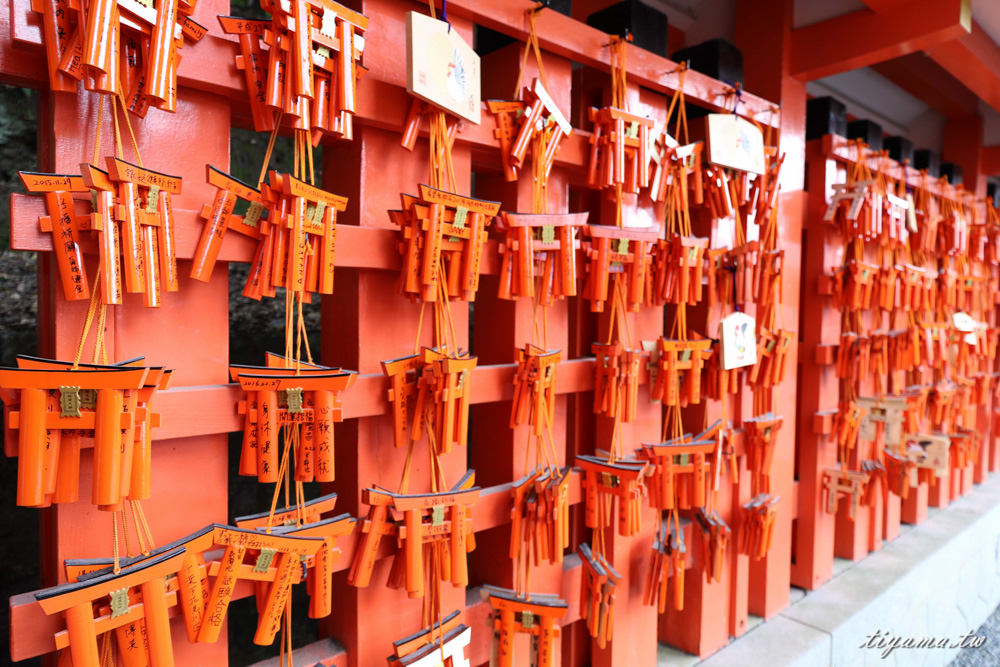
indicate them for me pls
(199, 410)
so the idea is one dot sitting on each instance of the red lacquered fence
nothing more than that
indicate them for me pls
(367, 321)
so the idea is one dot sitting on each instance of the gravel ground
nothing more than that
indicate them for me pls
(987, 655)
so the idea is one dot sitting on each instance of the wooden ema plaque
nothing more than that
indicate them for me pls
(535, 614)
(117, 45)
(52, 407)
(887, 410)
(847, 484)
(616, 380)
(442, 243)
(899, 470)
(715, 535)
(203, 607)
(443, 644)
(757, 525)
(277, 397)
(130, 634)
(284, 551)
(603, 483)
(441, 68)
(540, 516)
(310, 69)
(666, 563)
(310, 512)
(682, 470)
(219, 218)
(678, 269)
(76, 602)
(136, 458)
(739, 276)
(760, 435)
(65, 225)
(679, 370)
(132, 222)
(966, 445)
(319, 580)
(430, 380)
(520, 122)
(542, 246)
(417, 520)
(599, 581)
(929, 452)
(506, 115)
(619, 150)
(296, 243)
(534, 399)
(619, 251)
(772, 354)
(735, 143)
(672, 161)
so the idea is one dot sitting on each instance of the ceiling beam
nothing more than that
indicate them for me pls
(930, 83)
(974, 59)
(865, 37)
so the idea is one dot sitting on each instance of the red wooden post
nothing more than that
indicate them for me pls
(502, 325)
(369, 301)
(67, 125)
(367, 321)
(762, 29)
(963, 145)
(634, 640)
(814, 530)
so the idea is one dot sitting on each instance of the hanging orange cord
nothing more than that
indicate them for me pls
(619, 100)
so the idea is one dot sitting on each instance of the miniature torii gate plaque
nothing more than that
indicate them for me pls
(539, 245)
(443, 236)
(422, 521)
(887, 410)
(535, 615)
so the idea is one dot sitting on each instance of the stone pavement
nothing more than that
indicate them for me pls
(987, 655)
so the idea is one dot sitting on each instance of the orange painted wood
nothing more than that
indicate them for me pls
(369, 299)
(491, 511)
(863, 37)
(78, 529)
(974, 59)
(926, 80)
(939, 491)
(843, 150)
(914, 508)
(502, 325)
(963, 145)
(764, 31)
(813, 547)
(201, 407)
(562, 36)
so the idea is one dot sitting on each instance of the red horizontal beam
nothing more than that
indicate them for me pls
(839, 148)
(209, 64)
(974, 59)
(929, 82)
(866, 37)
(357, 247)
(211, 409)
(565, 36)
(35, 630)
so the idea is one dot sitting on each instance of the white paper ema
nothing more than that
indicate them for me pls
(441, 68)
(736, 143)
(739, 341)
